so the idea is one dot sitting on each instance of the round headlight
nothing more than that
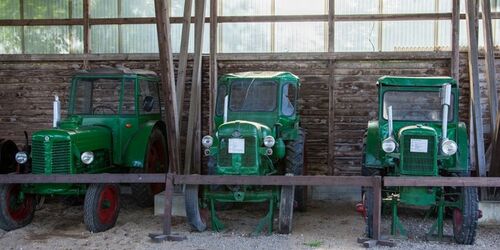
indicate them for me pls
(449, 147)
(269, 141)
(207, 141)
(87, 157)
(21, 157)
(389, 145)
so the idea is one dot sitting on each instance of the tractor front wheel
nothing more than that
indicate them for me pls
(16, 208)
(193, 208)
(101, 207)
(286, 210)
(465, 216)
(294, 163)
(154, 162)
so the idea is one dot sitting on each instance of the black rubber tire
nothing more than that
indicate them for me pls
(143, 193)
(193, 209)
(98, 219)
(367, 192)
(294, 164)
(465, 232)
(286, 210)
(8, 221)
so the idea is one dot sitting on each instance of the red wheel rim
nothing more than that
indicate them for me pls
(108, 204)
(156, 157)
(457, 219)
(18, 209)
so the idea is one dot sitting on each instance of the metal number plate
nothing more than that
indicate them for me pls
(419, 145)
(236, 146)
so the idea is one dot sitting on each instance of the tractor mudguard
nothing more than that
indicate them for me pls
(8, 151)
(136, 149)
(373, 146)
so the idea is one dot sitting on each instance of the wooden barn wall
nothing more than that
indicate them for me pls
(27, 89)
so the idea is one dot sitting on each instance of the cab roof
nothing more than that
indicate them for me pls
(261, 74)
(416, 81)
(116, 71)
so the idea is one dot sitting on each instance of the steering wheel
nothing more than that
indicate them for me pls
(102, 108)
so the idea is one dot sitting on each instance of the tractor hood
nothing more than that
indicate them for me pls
(85, 138)
(245, 128)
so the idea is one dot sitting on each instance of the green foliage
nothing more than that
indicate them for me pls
(314, 243)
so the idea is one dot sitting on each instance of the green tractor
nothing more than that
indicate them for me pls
(418, 133)
(113, 125)
(256, 133)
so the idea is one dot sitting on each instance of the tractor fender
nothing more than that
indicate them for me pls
(373, 159)
(136, 149)
(8, 151)
(462, 160)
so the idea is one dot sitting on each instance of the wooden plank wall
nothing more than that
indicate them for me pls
(27, 89)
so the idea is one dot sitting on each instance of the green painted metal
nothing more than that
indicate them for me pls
(405, 162)
(252, 125)
(118, 139)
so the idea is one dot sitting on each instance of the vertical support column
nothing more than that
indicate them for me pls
(213, 62)
(21, 16)
(193, 139)
(474, 87)
(490, 75)
(168, 83)
(377, 206)
(183, 57)
(455, 38)
(167, 208)
(331, 26)
(86, 27)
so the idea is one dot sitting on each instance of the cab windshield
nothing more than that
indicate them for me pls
(415, 106)
(101, 96)
(249, 95)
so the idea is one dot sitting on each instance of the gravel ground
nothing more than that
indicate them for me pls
(327, 225)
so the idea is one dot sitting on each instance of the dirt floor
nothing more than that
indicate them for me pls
(327, 225)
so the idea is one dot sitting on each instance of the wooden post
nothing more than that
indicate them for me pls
(331, 25)
(213, 62)
(86, 31)
(455, 39)
(193, 139)
(168, 83)
(377, 206)
(183, 57)
(474, 87)
(490, 75)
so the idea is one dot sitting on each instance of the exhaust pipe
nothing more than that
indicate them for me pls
(226, 106)
(57, 112)
(445, 102)
(389, 119)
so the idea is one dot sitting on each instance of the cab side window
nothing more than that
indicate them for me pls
(149, 102)
(288, 101)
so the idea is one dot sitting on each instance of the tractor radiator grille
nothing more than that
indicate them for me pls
(418, 163)
(248, 159)
(51, 157)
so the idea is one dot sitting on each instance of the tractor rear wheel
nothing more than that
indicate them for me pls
(465, 217)
(101, 207)
(154, 162)
(286, 210)
(16, 208)
(294, 164)
(193, 208)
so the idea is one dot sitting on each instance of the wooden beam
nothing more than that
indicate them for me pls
(490, 75)
(455, 39)
(86, 27)
(183, 58)
(331, 117)
(193, 139)
(168, 83)
(475, 94)
(331, 25)
(213, 62)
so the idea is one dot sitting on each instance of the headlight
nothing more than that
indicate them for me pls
(207, 141)
(389, 145)
(449, 147)
(21, 157)
(269, 141)
(87, 157)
